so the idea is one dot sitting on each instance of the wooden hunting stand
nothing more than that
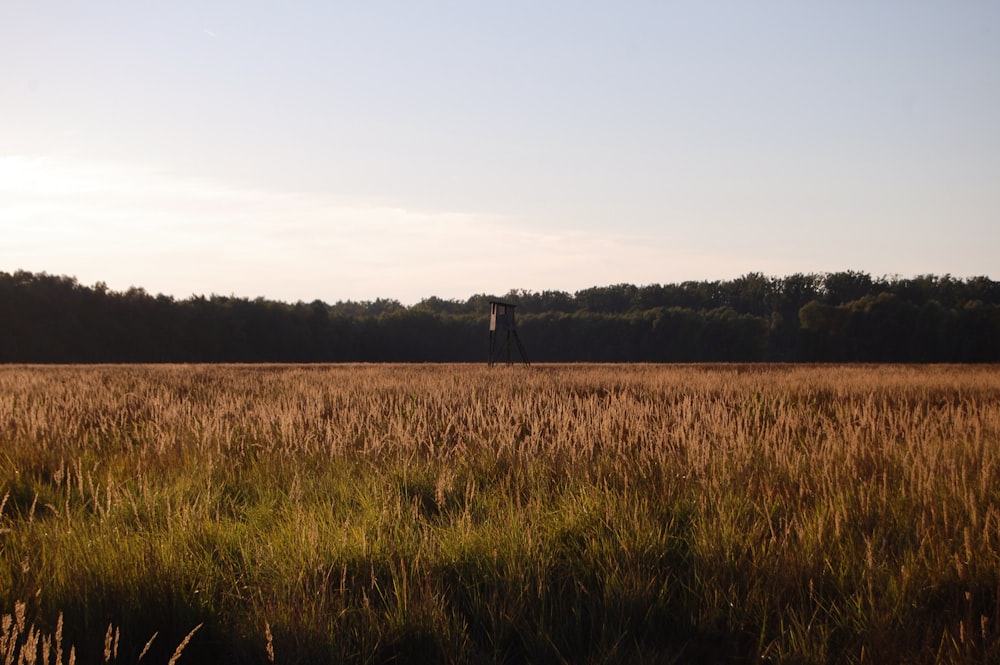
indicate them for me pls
(502, 321)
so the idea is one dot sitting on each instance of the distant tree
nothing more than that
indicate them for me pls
(749, 294)
(879, 327)
(730, 336)
(839, 288)
(979, 331)
(838, 316)
(678, 334)
(822, 328)
(436, 305)
(616, 299)
(554, 301)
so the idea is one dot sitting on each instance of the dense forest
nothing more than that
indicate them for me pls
(832, 317)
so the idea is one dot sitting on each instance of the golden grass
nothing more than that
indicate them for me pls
(565, 512)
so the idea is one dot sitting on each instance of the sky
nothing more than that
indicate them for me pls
(360, 150)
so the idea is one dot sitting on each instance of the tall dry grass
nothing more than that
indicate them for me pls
(832, 514)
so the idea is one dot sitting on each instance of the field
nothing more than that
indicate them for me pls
(460, 514)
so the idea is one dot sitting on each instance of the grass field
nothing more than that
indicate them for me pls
(457, 514)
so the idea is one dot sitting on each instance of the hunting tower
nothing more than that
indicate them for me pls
(502, 322)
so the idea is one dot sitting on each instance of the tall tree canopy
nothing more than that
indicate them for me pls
(844, 316)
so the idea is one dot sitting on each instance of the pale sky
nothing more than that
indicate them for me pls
(355, 150)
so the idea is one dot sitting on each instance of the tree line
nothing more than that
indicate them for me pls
(830, 317)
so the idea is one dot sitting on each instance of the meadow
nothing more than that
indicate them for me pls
(461, 514)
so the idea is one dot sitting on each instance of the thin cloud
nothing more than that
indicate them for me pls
(126, 226)
(133, 226)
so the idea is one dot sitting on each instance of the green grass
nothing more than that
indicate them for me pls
(452, 514)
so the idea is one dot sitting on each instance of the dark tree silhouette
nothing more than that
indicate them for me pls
(845, 316)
